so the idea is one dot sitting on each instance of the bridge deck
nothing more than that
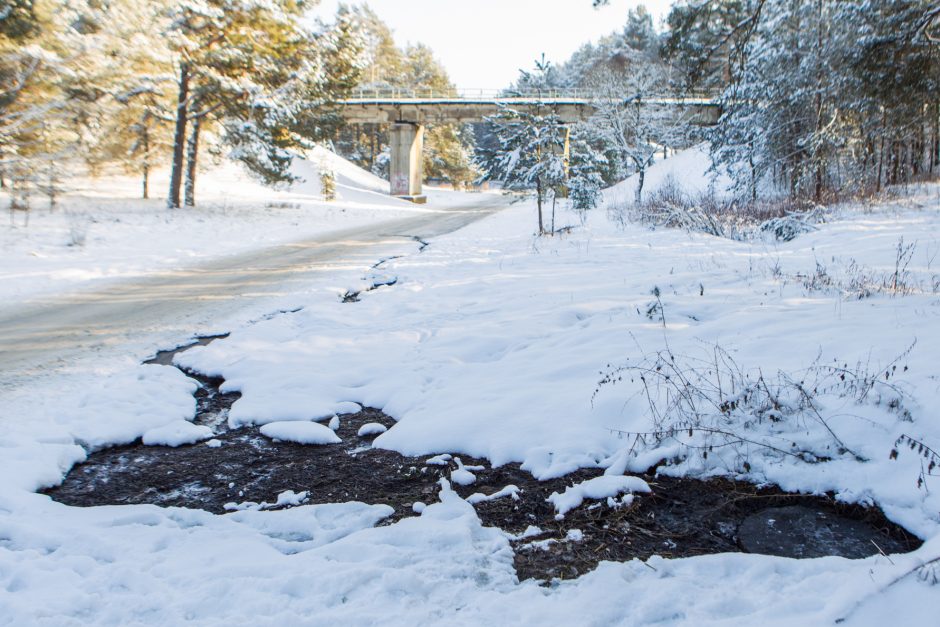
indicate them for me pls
(382, 108)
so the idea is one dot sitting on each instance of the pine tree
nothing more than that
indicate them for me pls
(639, 33)
(532, 149)
(234, 57)
(584, 176)
(701, 40)
(36, 128)
(134, 130)
(828, 96)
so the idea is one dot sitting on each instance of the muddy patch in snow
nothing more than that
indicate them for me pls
(680, 517)
(243, 469)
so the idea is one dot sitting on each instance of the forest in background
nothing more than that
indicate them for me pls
(820, 98)
(88, 85)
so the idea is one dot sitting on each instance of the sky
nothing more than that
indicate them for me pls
(484, 43)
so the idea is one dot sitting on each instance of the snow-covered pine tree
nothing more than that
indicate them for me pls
(531, 153)
(829, 96)
(890, 90)
(781, 115)
(584, 175)
(530, 156)
(41, 119)
(640, 34)
(296, 111)
(701, 40)
(235, 58)
(133, 130)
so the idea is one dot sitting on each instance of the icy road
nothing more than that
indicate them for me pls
(40, 333)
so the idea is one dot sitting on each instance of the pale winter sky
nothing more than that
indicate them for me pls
(484, 43)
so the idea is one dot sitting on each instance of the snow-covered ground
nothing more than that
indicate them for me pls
(103, 232)
(491, 343)
(688, 171)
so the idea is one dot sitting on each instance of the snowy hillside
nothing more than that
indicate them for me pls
(687, 171)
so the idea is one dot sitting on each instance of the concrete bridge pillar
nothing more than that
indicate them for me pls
(406, 171)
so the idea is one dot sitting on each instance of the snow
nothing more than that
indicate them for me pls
(478, 497)
(176, 433)
(290, 498)
(103, 232)
(463, 475)
(300, 432)
(439, 460)
(597, 488)
(491, 345)
(688, 170)
(371, 428)
(334, 422)
(122, 407)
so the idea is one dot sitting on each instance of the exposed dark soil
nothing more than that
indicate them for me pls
(353, 297)
(681, 517)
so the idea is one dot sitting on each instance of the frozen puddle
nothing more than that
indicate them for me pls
(678, 518)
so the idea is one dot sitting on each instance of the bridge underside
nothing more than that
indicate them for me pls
(406, 166)
(408, 118)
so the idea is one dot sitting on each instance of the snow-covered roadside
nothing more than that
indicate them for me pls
(102, 232)
(491, 344)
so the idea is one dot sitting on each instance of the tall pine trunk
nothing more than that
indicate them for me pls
(192, 154)
(935, 149)
(881, 151)
(819, 159)
(145, 183)
(538, 200)
(553, 214)
(179, 137)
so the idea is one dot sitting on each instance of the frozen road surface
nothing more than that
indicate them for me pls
(37, 334)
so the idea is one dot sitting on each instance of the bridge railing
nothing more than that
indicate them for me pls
(395, 93)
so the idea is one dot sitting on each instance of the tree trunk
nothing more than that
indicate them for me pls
(146, 165)
(895, 162)
(553, 214)
(819, 160)
(641, 174)
(935, 152)
(192, 154)
(179, 137)
(538, 200)
(753, 172)
(372, 149)
(881, 151)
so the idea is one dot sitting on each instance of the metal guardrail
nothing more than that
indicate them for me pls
(393, 93)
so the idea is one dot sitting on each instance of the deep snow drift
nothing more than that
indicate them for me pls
(491, 343)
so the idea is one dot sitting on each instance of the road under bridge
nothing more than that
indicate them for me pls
(407, 113)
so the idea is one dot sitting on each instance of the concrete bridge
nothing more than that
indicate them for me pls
(408, 111)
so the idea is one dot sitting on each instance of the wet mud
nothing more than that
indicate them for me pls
(682, 517)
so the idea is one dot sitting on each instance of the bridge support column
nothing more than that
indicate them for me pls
(406, 171)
